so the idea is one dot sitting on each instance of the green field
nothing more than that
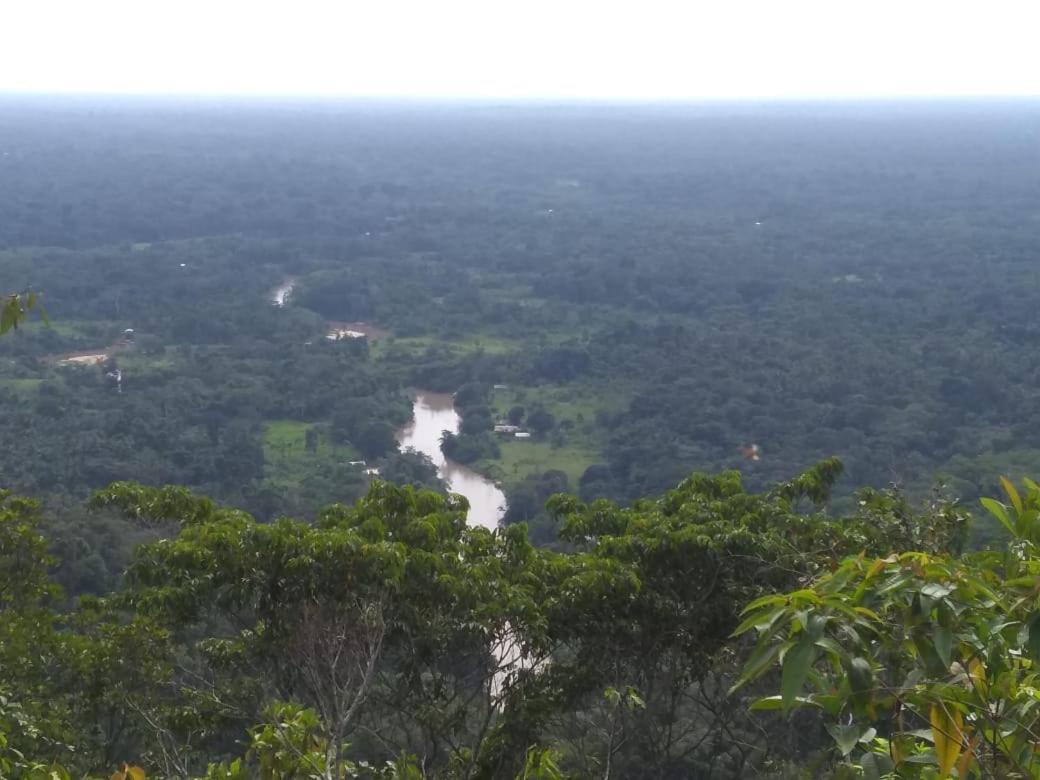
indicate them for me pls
(285, 450)
(66, 328)
(22, 387)
(578, 403)
(410, 347)
(583, 441)
(142, 364)
(520, 458)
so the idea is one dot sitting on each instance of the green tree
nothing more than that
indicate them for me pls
(390, 617)
(924, 664)
(649, 602)
(375, 439)
(541, 421)
(14, 309)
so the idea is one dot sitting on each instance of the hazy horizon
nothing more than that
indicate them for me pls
(529, 101)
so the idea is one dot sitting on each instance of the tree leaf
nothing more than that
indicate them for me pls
(772, 703)
(845, 737)
(795, 670)
(943, 639)
(1012, 493)
(760, 660)
(828, 644)
(876, 765)
(947, 734)
(757, 618)
(861, 676)
(1033, 637)
(9, 316)
(997, 509)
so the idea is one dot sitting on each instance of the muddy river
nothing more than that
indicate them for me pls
(434, 414)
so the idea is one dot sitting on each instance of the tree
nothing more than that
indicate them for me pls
(472, 394)
(921, 663)
(541, 421)
(658, 588)
(311, 440)
(70, 680)
(410, 468)
(375, 439)
(14, 309)
(290, 745)
(476, 420)
(392, 609)
(24, 561)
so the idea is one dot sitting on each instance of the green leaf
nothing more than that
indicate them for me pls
(796, 665)
(943, 639)
(1033, 640)
(1012, 493)
(760, 660)
(845, 737)
(771, 600)
(772, 703)
(935, 591)
(861, 676)
(876, 765)
(998, 510)
(828, 644)
(9, 316)
(929, 655)
(757, 618)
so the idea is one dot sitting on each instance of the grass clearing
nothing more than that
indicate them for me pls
(288, 438)
(520, 458)
(583, 442)
(22, 387)
(578, 403)
(286, 455)
(140, 363)
(64, 328)
(410, 347)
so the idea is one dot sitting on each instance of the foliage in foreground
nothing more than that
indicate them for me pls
(923, 664)
(14, 309)
(390, 639)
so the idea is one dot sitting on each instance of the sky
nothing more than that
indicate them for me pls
(588, 49)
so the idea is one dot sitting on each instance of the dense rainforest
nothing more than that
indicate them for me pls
(643, 293)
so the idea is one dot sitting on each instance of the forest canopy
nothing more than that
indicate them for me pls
(216, 561)
(390, 637)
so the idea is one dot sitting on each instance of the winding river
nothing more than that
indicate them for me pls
(435, 413)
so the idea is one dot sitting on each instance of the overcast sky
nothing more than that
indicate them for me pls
(643, 49)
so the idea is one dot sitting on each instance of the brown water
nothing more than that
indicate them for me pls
(435, 413)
